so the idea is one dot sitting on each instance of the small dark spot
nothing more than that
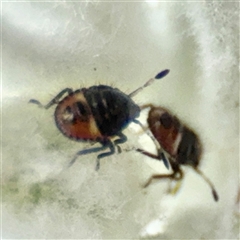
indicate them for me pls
(83, 110)
(68, 109)
(95, 69)
(166, 120)
(162, 74)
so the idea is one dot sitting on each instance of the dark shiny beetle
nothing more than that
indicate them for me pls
(177, 145)
(96, 114)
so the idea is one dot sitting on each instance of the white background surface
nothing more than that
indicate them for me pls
(47, 46)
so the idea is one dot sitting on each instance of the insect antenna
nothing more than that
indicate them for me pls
(214, 192)
(160, 75)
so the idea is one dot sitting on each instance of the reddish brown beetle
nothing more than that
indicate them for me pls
(177, 145)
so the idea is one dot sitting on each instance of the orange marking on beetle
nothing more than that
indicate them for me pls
(74, 124)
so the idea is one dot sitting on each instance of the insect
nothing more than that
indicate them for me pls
(96, 114)
(177, 141)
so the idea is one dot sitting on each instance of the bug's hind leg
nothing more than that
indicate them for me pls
(176, 175)
(88, 151)
(54, 100)
(158, 176)
(105, 145)
(122, 139)
(173, 189)
(109, 145)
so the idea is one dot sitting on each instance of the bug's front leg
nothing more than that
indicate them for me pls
(55, 100)
(158, 176)
(160, 156)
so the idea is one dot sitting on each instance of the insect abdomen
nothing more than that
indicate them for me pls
(189, 149)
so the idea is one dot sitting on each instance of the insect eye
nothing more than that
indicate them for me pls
(166, 120)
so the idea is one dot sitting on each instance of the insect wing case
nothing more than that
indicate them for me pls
(112, 109)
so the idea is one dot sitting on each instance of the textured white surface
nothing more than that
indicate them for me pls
(47, 46)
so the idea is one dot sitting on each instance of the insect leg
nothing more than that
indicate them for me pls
(176, 175)
(151, 155)
(207, 180)
(147, 106)
(158, 176)
(160, 156)
(109, 145)
(87, 151)
(164, 159)
(121, 140)
(177, 172)
(53, 101)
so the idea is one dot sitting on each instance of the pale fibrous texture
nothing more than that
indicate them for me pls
(48, 46)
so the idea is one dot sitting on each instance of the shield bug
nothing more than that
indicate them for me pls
(176, 144)
(96, 114)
